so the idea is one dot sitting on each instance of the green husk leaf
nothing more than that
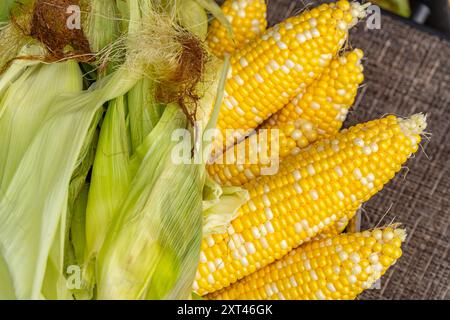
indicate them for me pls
(220, 206)
(54, 286)
(216, 11)
(36, 203)
(143, 111)
(193, 17)
(24, 106)
(24, 111)
(5, 7)
(124, 14)
(196, 296)
(78, 182)
(102, 25)
(400, 7)
(109, 183)
(156, 231)
(78, 224)
(7, 290)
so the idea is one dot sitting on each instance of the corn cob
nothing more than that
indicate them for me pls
(325, 103)
(271, 70)
(318, 112)
(248, 20)
(311, 191)
(339, 226)
(339, 267)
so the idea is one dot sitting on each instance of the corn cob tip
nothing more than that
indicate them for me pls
(358, 11)
(416, 124)
(401, 233)
(354, 12)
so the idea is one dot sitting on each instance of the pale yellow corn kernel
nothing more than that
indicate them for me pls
(339, 226)
(248, 20)
(340, 267)
(266, 73)
(318, 111)
(323, 106)
(296, 204)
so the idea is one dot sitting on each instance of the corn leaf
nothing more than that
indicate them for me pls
(216, 11)
(36, 195)
(143, 111)
(54, 286)
(7, 289)
(78, 224)
(193, 18)
(109, 183)
(151, 251)
(5, 7)
(220, 206)
(102, 25)
(400, 7)
(24, 108)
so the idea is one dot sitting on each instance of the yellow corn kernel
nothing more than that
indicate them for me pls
(339, 226)
(248, 20)
(318, 112)
(296, 204)
(324, 105)
(268, 72)
(348, 265)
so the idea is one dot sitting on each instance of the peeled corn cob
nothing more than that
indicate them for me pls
(271, 70)
(318, 111)
(340, 267)
(248, 19)
(325, 103)
(312, 190)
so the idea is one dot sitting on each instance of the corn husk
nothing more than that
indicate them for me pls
(156, 231)
(7, 292)
(144, 111)
(24, 110)
(400, 7)
(36, 196)
(152, 248)
(220, 206)
(109, 184)
(193, 17)
(123, 15)
(101, 26)
(42, 184)
(78, 224)
(5, 7)
(216, 11)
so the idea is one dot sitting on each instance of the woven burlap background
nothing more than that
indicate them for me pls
(407, 71)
